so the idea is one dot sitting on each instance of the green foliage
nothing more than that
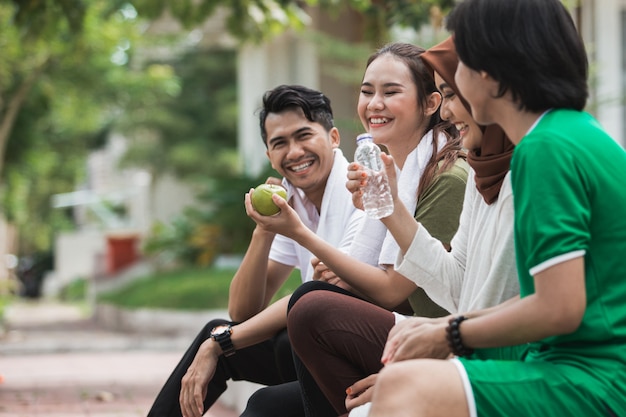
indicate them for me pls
(75, 291)
(184, 289)
(381, 16)
(65, 68)
(256, 20)
(76, 70)
(184, 241)
(251, 20)
(218, 224)
(181, 133)
(9, 288)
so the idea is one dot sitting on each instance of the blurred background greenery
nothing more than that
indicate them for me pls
(74, 73)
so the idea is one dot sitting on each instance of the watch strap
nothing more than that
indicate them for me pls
(225, 342)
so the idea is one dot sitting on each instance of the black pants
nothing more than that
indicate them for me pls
(268, 363)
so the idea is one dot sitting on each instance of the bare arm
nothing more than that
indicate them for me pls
(257, 279)
(401, 222)
(259, 328)
(262, 326)
(557, 307)
(386, 288)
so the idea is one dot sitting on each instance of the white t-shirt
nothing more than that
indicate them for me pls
(337, 223)
(480, 270)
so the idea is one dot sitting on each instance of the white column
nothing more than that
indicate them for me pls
(252, 74)
(608, 50)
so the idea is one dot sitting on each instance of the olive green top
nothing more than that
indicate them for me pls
(438, 210)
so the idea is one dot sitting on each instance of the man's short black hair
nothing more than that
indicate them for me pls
(315, 105)
(531, 47)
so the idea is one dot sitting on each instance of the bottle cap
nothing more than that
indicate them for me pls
(363, 136)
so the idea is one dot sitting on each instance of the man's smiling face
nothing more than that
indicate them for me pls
(301, 150)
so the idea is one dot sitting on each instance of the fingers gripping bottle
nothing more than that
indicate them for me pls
(377, 200)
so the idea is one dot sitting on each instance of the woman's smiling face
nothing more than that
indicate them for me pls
(388, 105)
(453, 110)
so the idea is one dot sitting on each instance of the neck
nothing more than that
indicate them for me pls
(400, 151)
(317, 195)
(516, 125)
(512, 120)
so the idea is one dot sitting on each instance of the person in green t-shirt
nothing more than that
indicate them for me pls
(523, 66)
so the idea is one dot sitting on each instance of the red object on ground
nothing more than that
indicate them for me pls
(121, 252)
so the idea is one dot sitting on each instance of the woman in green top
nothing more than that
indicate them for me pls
(399, 105)
(526, 70)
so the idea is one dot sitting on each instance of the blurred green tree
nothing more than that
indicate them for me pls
(70, 74)
(254, 20)
(192, 135)
(65, 80)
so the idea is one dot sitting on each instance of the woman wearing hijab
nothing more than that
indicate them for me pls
(478, 272)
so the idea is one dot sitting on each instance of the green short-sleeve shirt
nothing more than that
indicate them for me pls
(569, 188)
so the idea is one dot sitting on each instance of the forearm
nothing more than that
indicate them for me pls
(259, 328)
(385, 288)
(491, 310)
(402, 225)
(262, 326)
(248, 289)
(513, 323)
(557, 307)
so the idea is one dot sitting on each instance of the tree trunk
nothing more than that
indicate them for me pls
(13, 107)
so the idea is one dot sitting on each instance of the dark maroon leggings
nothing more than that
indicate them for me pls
(338, 338)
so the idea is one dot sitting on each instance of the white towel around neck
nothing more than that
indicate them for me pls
(373, 244)
(408, 181)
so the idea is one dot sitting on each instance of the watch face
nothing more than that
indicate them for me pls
(221, 329)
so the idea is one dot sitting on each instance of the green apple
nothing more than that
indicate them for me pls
(262, 198)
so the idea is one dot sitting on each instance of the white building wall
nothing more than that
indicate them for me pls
(79, 254)
(170, 197)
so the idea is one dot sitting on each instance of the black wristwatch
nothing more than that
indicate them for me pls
(221, 334)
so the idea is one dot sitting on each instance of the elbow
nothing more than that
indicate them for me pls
(566, 320)
(392, 302)
(233, 310)
(239, 314)
(241, 307)
(381, 299)
(234, 314)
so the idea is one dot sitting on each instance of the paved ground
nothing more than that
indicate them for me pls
(56, 362)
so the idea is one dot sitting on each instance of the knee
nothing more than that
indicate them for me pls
(411, 379)
(257, 405)
(263, 403)
(205, 333)
(396, 373)
(305, 313)
(395, 384)
(306, 288)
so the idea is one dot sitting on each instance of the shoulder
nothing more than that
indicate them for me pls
(457, 173)
(450, 182)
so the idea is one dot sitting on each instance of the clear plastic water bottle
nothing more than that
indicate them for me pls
(377, 200)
